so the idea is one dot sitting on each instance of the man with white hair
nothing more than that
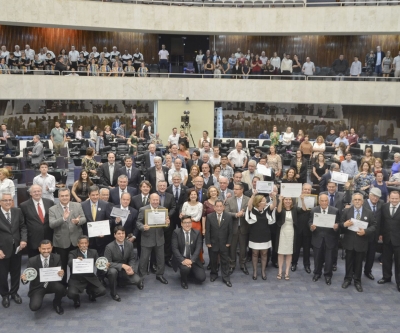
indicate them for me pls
(37, 154)
(104, 194)
(248, 175)
(30, 54)
(225, 192)
(115, 53)
(205, 159)
(179, 169)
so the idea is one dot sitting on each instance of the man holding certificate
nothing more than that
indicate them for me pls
(324, 224)
(355, 240)
(81, 261)
(152, 237)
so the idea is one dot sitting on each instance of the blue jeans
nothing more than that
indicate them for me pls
(378, 69)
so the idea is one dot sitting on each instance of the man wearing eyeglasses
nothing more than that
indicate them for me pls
(13, 238)
(186, 245)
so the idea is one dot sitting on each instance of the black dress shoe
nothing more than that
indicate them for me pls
(334, 268)
(316, 278)
(328, 280)
(116, 298)
(184, 285)
(346, 283)
(58, 309)
(382, 281)
(212, 279)
(228, 283)
(293, 268)
(17, 298)
(307, 269)
(231, 269)
(77, 303)
(162, 279)
(275, 265)
(254, 277)
(369, 276)
(244, 270)
(92, 297)
(6, 301)
(168, 263)
(209, 267)
(358, 287)
(140, 285)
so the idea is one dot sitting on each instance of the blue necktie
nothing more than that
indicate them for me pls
(331, 203)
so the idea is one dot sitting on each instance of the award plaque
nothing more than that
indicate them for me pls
(101, 263)
(30, 274)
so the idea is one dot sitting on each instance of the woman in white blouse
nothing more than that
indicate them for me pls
(93, 136)
(276, 61)
(6, 185)
(78, 134)
(319, 146)
(287, 137)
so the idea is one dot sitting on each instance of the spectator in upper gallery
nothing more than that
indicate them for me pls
(331, 137)
(125, 58)
(17, 52)
(45, 50)
(85, 53)
(264, 135)
(287, 65)
(137, 59)
(163, 55)
(349, 166)
(73, 56)
(94, 54)
(340, 66)
(356, 67)
(378, 60)
(276, 61)
(263, 58)
(238, 53)
(231, 60)
(30, 54)
(387, 64)
(370, 62)
(60, 66)
(352, 138)
(114, 54)
(4, 53)
(308, 67)
(396, 65)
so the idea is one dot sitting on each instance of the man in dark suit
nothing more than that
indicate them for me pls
(109, 172)
(152, 238)
(36, 215)
(237, 178)
(121, 258)
(179, 192)
(115, 193)
(326, 177)
(79, 282)
(374, 204)
(390, 235)
(131, 172)
(218, 240)
(13, 237)
(37, 289)
(186, 246)
(194, 161)
(156, 173)
(324, 240)
(149, 156)
(201, 192)
(356, 242)
(115, 125)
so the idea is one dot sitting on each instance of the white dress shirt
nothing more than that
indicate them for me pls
(40, 202)
(44, 182)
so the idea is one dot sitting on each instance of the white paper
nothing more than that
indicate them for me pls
(324, 220)
(156, 218)
(118, 212)
(339, 177)
(309, 202)
(264, 170)
(357, 225)
(98, 228)
(291, 190)
(50, 274)
(264, 187)
(82, 266)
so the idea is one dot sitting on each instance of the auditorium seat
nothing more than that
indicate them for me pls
(247, 3)
(278, 4)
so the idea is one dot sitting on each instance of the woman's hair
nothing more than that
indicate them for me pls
(5, 172)
(291, 205)
(92, 127)
(379, 160)
(89, 151)
(195, 167)
(287, 173)
(362, 165)
(257, 199)
(80, 181)
(320, 137)
(369, 150)
(190, 192)
(208, 191)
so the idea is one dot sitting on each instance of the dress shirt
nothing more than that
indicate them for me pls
(162, 198)
(237, 158)
(123, 219)
(378, 58)
(7, 185)
(163, 54)
(390, 209)
(42, 259)
(215, 160)
(339, 140)
(309, 68)
(30, 54)
(263, 59)
(227, 172)
(73, 56)
(111, 169)
(349, 167)
(355, 68)
(183, 172)
(159, 176)
(44, 182)
(40, 202)
(286, 65)
(288, 137)
(173, 139)
(151, 155)
(239, 205)
(5, 213)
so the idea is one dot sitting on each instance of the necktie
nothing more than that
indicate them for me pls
(200, 196)
(122, 250)
(223, 195)
(374, 209)
(176, 194)
(46, 265)
(219, 219)
(162, 199)
(393, 211)
(94, 212)
(323, 212)
(187, 245)
(8, 217)
(195, 162)
(358, 216)
(129, 173)
(331, 202)
(40, 212)
(85, 255)
(144, 201)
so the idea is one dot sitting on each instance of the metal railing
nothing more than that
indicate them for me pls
(30, 72)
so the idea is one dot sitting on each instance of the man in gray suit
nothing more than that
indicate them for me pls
(236, 208)
(225, 192)
(5, 137)
(37, 153)
(66, 219)
(152, 238)
(121, 259)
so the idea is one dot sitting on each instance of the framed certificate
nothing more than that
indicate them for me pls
(339, 177)
(291, 190)
(264, 187)
(311, 201)
(156, 218)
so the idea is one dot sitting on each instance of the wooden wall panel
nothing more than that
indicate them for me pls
(56, 39)
(322, 50)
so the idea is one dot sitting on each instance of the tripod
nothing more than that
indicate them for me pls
(186, 128)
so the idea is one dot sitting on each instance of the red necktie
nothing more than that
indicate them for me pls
(40, 213)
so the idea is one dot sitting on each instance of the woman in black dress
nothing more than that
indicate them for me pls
(258, 215)
(319, 169)
(80, 189)
(300, 164)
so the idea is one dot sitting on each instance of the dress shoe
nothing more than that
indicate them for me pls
(92, 297)
(184, 285)
(140, 285)
(209, 267)
(369, 276)
(346, 283)
(168, 263)
(316, 278)
(254, 277)
(244, 270)
(334, 268)
(231, 269)
(275, 265)
(382, 281)
(213, 278)
(248, 259)
(293, 268)
(228, 283)
(358, 287)
(116, 298)
(17, 298)
(162, 279)
(328, 280)
(6, 301)
(58, 309)
(77, 303)
(307, 269)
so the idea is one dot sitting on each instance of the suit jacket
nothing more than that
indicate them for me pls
(137, 203)
(377, 215)
(204, 196)
(324, 181)
(147, 159)
(190, 163)
(86, 277)
(114, 255)
(182, 196)
(320, 233)
(102, 213)
(352, 241)
(219, 235)
(130, 223)
(37, 231)
(37, 153)
(115, 196)
(169, 203)
(8, 142)
(338, 200)
(104, 174)
(376, 57)
(228, 191)
(152, 237)
(280, 221)
(135, 179)
(231, 208)
(36, 263)
(178, 247)
(245, 185)
(66, 232)
(12, 233)
(151, 177)
(390, 226)
(246, 177)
